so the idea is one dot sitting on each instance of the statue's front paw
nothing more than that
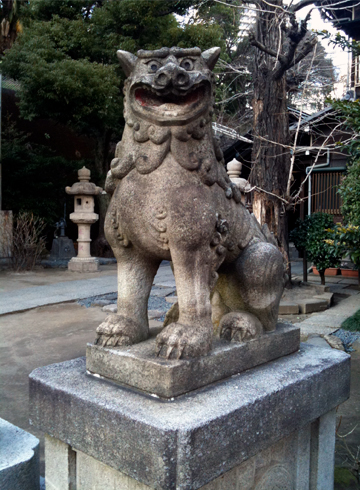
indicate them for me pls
(119, 330)
(178, 341)
(240, 326)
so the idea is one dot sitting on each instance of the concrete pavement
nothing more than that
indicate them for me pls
(50, 286)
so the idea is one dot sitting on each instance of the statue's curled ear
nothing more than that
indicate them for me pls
(211, 56)
(127, 61)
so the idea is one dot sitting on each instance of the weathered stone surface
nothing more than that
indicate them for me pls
(138, 365)
(91, 474)
(83, 215)
(60, 466)
(311, 305)
(323, 452)
(184, 207)
(285, 465)
(19, 458)
(327, 296)
(334, 342)
(188, 442)
(287, 308)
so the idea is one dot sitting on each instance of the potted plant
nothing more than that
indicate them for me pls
(346, 240)
(314, 234)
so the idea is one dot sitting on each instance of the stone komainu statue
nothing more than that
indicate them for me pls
(172, 200)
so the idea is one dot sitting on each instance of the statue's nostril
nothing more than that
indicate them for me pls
(181, 79)
(162, 79)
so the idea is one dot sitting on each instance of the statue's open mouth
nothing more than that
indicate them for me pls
(171, 104)
(150, 98)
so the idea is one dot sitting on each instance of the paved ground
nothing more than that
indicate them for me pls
(40, 324)
(23, 291)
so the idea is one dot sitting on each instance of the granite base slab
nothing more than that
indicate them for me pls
(185, 443)
(138, 366)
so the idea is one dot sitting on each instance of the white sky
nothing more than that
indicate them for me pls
(338, 56)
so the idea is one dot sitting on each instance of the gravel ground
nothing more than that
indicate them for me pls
(100, 300)
(155, 302)
(347, 338)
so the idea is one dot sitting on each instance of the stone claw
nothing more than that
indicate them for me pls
(180, 351)
(240, 326)
(169, 351)
(179, 341)
(119, 330)
(158, 349)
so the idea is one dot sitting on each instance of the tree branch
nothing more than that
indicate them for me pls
(306, 49)
(296, 34)
(265, 49)
(300, 5)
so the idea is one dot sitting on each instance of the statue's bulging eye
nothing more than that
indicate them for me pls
(153, 66)
(187, 64)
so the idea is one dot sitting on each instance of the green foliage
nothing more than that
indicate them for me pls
(352, 323)
(350, 110)
(314, 235)
(65, 58)
(340, 40)
(349, 191)
(34, 179)
(346, 240)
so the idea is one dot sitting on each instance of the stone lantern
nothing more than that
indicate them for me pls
(84, 216)
(234, 172)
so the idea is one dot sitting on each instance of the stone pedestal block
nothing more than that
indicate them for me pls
(77, 264)
(274, 423)
(139, 367)
(19, 458)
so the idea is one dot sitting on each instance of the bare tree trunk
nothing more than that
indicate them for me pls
(8, 26)
(270, 157)
(322, 277)
(100, 245)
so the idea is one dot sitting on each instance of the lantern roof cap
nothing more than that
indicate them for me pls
(84, 187)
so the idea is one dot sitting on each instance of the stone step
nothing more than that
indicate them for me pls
(19, 458)
(312, 305)
(288, 308)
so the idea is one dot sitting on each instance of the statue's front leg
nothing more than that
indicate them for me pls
(191, 335)
(135, 278)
